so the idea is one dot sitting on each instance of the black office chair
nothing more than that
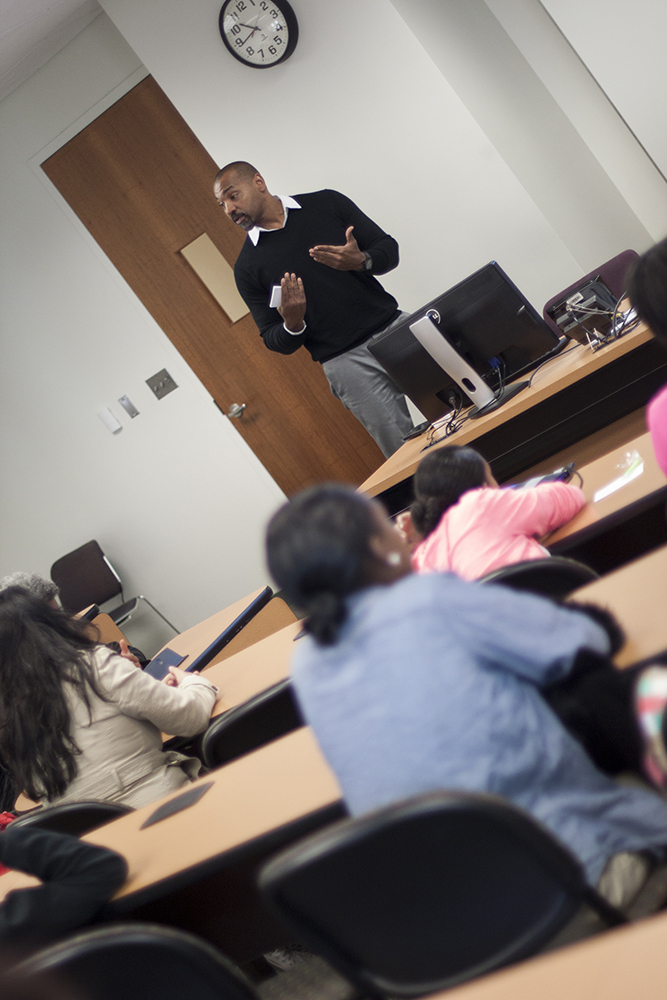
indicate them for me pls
(269, 715)
(75, 818)
(85, 576)
(429, 892)
(134, 962)
(553, 576)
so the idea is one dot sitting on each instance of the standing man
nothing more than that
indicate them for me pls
(322, 252)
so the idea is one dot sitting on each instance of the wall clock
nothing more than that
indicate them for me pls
(259, 33)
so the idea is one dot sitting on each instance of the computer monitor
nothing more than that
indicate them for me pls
(488, 322)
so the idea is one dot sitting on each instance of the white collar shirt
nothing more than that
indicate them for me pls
(287, 203)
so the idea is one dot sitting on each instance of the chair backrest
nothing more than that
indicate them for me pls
(136, 962)
(613, 272)
(75, 818)
(84, 577)
(269, 715)
(426, 893)
(553, 576)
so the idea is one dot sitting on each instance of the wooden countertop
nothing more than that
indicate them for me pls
(563, 371)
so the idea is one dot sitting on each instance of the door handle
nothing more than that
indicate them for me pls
(236, 410)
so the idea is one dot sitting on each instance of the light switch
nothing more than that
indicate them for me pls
(161, 384)
(128, 406)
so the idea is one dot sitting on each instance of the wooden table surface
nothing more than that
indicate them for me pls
(254, 806)
(647, 487)
(274, 616)
(635, 593)
(254, 669)
(627, 963)
(559, 374)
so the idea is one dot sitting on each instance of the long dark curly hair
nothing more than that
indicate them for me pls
(41, 651)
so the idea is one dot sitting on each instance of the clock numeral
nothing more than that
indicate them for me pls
(277, 39)
(272, 50)
(236, 29)
(240, 5)
(260, 52)
(250, 50)
(275, 13)
(264, 5)
(238, 41)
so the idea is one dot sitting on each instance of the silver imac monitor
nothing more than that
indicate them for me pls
(488, 325)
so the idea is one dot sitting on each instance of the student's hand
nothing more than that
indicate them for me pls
(125, 652)
(343, 258)
(174, 677)
(407, 529)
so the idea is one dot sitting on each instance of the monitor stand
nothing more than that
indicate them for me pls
(465, 376)
(499, 399)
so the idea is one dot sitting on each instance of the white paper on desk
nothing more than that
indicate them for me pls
(632, 472)
(276, 297)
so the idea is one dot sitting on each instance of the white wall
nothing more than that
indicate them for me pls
(176, 498)
(591, 112)
(360, 107)
(527, 126)
(623, 46)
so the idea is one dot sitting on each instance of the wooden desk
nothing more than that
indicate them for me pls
(621, 964)
(624, 525)
(107, 629)
(636, 595)
(274, 616)
(574, 395)
(246, 674)
(254, 669)
(196, 869)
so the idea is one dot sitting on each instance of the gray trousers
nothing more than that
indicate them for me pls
(367, 391)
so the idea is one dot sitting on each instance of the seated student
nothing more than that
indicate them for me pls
(35, 584)
(462, 522)
(79, 722)
(77, 879)
(414, 683)
(647, 288)
(49, 592)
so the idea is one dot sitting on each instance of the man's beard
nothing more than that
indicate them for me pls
(243, 221)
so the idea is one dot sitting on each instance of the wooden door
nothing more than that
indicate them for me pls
(141, 183)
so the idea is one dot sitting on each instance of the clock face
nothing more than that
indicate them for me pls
(258, 32)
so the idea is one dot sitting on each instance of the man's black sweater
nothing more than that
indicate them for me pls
(343, 308)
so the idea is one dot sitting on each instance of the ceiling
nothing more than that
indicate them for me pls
(32, 31)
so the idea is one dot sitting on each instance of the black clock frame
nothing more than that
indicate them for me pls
(292, 26)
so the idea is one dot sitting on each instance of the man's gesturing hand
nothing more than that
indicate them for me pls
(293, 306)
(344, 258)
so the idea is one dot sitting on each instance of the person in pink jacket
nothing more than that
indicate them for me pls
(647, 288)
(462, 522)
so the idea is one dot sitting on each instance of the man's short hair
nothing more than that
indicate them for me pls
(242, 168)
(46, 590)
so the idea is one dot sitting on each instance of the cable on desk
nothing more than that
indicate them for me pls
(561, 355)
(626, 325)
(453, 424)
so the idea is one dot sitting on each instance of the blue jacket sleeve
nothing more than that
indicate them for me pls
(527, 635)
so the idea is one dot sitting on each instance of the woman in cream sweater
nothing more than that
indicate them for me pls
(79, 722)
